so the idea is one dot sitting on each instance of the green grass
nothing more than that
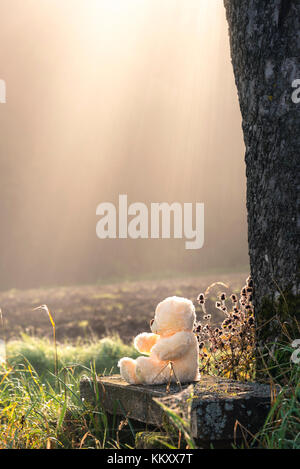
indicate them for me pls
(36, 415)
(104, 354)
(282, 426)
(41, 410)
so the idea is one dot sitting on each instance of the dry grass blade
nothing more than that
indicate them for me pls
(46, 309)
(169, 382)
(83, 439)
(177, 380)
(172, 372)
(244, 432)
(212, 285)
(159, 373)
(2, 341)
(5, 376)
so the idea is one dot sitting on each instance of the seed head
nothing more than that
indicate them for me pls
(201, 298)
(249, 281)
(251, 321)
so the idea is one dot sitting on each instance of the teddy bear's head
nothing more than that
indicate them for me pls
(172, 315)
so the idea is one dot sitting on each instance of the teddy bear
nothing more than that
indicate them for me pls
(172, 347)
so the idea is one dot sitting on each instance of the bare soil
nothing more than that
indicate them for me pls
(101, 310)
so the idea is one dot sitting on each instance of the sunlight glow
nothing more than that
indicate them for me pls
(112, 97)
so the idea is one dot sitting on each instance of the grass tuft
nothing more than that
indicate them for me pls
(104, 353)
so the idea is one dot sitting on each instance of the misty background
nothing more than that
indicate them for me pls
(109, 97)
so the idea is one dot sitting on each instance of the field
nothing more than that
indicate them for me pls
(97, 311)
(40, 405)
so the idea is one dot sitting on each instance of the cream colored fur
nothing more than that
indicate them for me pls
(172, 340)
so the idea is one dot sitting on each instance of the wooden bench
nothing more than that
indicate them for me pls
(212, 406)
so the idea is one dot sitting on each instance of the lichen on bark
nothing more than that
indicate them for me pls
(265, 50)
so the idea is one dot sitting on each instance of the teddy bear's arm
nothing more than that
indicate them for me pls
(174, 347)
(145, 341)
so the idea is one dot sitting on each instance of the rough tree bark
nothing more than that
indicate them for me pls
(265, 51)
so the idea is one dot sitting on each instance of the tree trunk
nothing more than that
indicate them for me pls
(265, 50)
